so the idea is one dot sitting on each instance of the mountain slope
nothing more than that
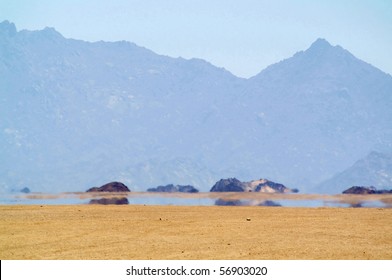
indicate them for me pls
(76, 114)
(373, 170)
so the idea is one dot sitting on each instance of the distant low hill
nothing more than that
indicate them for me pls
(74, 114)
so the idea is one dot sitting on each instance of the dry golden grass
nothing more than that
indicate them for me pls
(192, 232)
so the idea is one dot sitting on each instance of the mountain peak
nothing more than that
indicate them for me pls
(321, 48)
(320, 45)
(321, 42)
(7, 28)
(51, 32)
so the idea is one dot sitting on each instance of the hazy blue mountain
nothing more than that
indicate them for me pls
(373, 170)
(77, 114)
(318, 112)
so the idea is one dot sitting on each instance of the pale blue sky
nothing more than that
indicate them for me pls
(242, 36)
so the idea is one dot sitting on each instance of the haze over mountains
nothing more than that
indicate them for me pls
(76, 114)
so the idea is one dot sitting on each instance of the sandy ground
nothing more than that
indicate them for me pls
(193, 232)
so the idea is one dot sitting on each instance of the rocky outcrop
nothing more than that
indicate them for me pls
(384, 191)
(110, 201)
(174, 188)
(167, 188)
(228, 185)
(25, 190)
(365, 190)
(110, 187)
(187, 189)
(262, 185)
(360, 190)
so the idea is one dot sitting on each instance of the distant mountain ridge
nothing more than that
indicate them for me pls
(76, 114)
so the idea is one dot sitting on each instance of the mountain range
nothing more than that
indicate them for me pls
(76, 114)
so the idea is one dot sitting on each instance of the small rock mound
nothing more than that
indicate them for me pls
(365, 190)
(269, 186)
(110, 187)
(187, 189)
(228, 185)
(25, 190)
(168, 188)
(172, 188)
(262, 185)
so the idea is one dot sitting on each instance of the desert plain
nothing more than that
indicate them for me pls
(143, 232)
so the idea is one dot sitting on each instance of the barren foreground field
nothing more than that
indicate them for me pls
(192, 232)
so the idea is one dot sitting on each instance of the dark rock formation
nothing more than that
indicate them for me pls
(25, 190)
(267, 186)
(279, 188)
(262, 185)
(360, 190)
(108, 201)
(172, 188)
(228, 185)
(110, 187)
(383, 191)
(187, 189)
(365, 190)
(167, 188)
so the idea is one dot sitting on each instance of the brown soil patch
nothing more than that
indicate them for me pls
(190, 232)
